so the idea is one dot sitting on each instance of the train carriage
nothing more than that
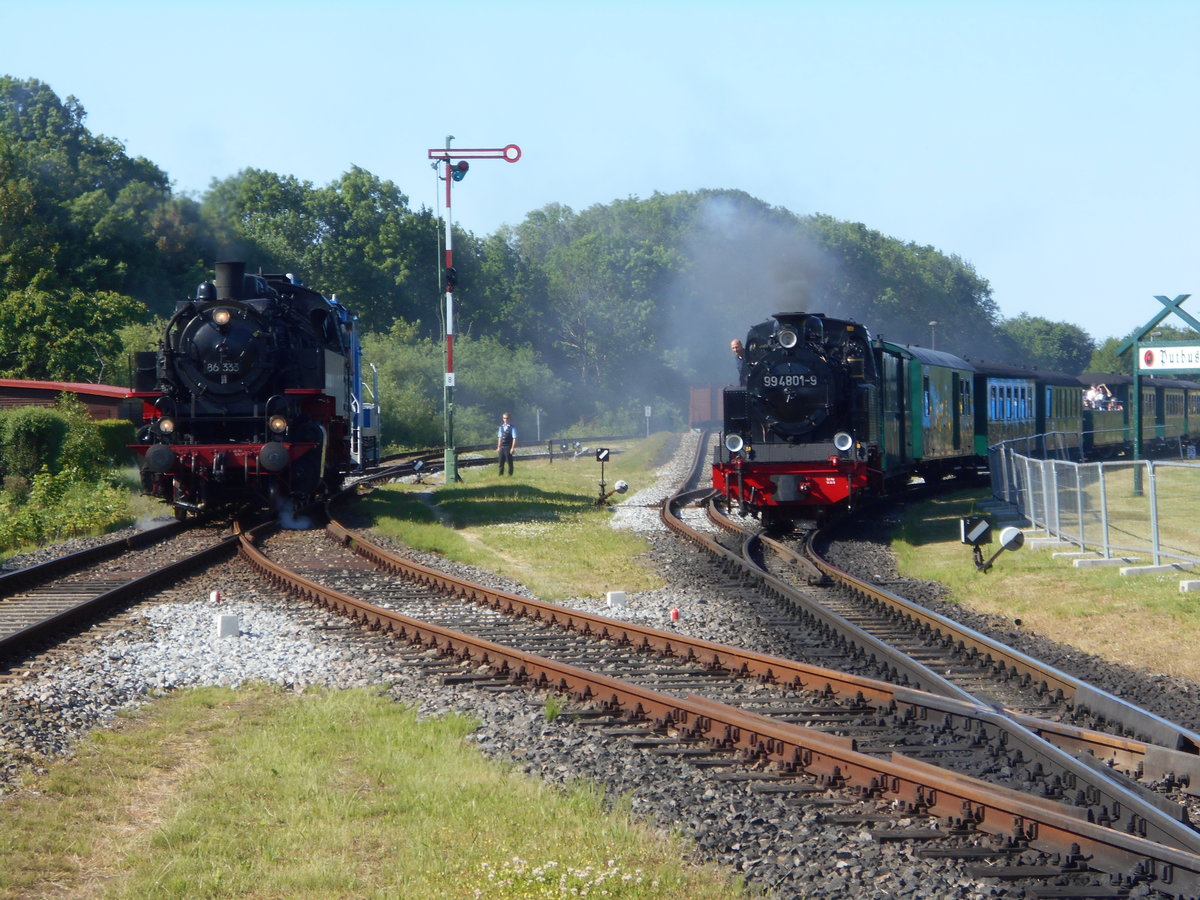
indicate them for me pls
(1170, 416)
(1015, 404)
(927, 412)
(1105, 427)
(1164, 412)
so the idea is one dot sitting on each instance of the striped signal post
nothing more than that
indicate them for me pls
(456, 166)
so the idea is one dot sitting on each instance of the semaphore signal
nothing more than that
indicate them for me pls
(457, 166)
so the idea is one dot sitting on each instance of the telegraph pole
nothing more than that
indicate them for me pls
(456, 169)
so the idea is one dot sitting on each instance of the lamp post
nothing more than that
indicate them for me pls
(933, 335)
(456, 171)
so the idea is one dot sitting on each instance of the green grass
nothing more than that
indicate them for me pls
(1140, 620)
(259, 793)
(542, 526)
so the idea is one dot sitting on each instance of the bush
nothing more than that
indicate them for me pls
(57, 507)
(31, 438)
(115, 437)
(82, 448)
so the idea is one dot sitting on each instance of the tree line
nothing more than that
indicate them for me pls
(580, 318)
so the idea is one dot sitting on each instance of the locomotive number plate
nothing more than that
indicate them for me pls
(789, 381)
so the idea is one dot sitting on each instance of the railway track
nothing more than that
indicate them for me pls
(40, 601)
(972, 767)
(907, 765)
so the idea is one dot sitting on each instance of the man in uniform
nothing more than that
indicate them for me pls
(506, 442)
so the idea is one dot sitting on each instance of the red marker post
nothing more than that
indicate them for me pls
(457, 164)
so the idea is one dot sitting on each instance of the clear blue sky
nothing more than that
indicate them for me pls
(1052, 145)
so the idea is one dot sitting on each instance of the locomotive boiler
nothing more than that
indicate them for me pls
(254, 397)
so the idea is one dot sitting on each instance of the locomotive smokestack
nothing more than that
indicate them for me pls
(229, 280)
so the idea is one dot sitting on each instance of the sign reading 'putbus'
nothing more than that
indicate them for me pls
(1162, 358)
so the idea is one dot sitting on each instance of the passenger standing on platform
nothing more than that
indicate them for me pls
(506, 442)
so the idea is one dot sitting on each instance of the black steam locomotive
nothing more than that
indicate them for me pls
(253, 398)
(826, 418)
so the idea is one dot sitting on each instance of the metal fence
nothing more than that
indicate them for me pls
(1143, 507)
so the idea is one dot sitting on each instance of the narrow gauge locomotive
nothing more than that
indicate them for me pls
(825, 418)
(253, 398)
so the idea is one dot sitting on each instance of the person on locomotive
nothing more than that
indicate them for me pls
(739, 352)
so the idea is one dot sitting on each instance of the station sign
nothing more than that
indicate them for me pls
(1168, 358)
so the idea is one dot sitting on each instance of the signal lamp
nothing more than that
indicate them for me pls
(734, 443)
(278, 424)
(458, 171)
(788, 339)
(222, 317)
(843, 441)
(166, 425)
(451, 276)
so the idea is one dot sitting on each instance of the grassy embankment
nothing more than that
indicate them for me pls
(260, 793)
(542, 526)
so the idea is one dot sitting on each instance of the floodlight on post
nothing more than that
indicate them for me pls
(457, 166)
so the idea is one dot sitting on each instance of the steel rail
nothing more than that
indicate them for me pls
(19, 579)
(789, 674)
(1149, 727)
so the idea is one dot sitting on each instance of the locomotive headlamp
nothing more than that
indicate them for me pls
(843, 441)
(166, 425)
(788, 339)
(222, 317)
(734, 443)
(278, 424)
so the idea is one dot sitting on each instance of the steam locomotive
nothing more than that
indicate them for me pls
(254, 397)
(826, 418)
